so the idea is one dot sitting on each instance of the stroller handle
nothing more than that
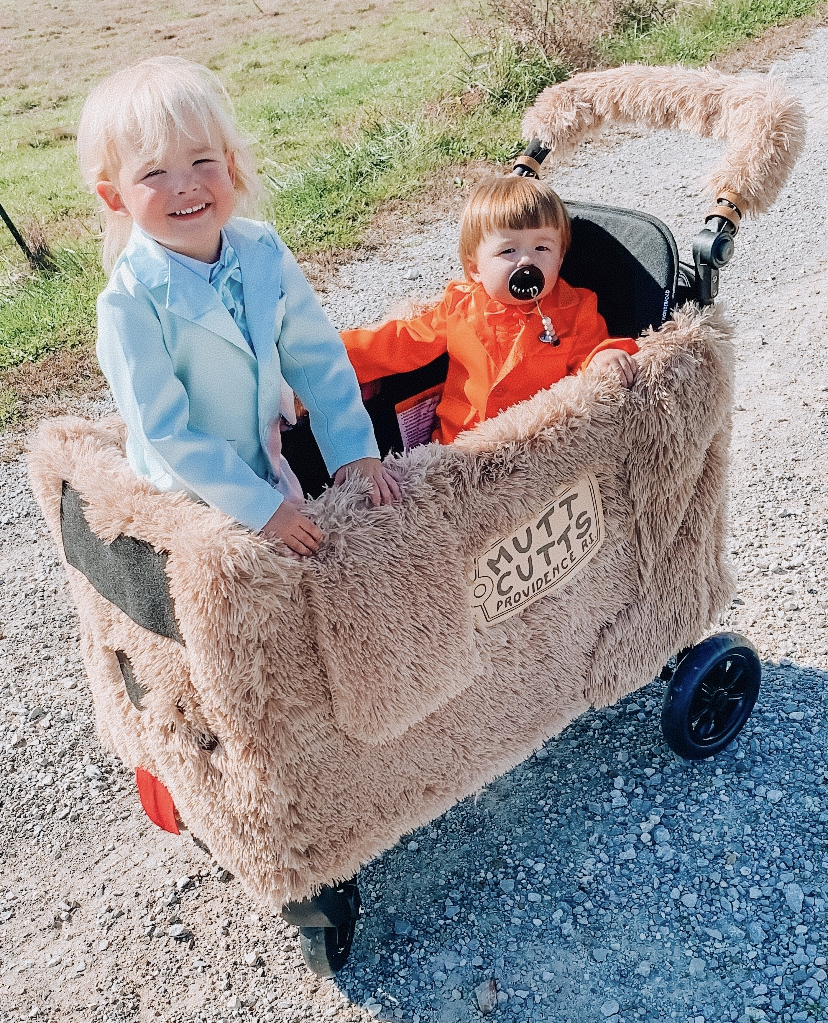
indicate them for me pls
(527, 165)
(763, 124)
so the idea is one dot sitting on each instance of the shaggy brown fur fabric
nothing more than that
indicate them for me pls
(765, 125)
(319, 710)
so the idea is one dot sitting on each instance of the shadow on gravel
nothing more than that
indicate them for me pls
(604, 879)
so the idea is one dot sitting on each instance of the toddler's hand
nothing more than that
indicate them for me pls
(288, 524)
(385, 486)
(617, 360)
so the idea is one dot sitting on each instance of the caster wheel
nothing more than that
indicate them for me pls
(326, 925)
(711, 695)
(325, 949)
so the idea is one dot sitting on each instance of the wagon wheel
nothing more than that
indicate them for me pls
(326, 923)
(711, 695)
(326, 949)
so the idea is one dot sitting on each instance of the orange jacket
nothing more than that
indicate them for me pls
(496, 357)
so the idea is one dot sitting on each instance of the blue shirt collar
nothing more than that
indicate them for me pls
(204, 270)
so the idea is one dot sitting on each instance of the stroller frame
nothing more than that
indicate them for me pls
(162, 670)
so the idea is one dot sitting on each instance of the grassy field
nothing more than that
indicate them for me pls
(322, 116)
(343, 123)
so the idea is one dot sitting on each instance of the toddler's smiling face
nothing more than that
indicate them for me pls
(182, 199)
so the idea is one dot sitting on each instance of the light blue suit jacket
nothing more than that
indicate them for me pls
(198, 403)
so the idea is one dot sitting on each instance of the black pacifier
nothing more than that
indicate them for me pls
(526, 283)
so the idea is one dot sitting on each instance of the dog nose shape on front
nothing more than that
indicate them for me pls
(526, 283)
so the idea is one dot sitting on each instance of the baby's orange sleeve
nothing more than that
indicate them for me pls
(625, 344)
(397, 346)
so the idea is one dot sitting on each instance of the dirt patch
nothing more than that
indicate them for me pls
(54, 386)
(70, 42)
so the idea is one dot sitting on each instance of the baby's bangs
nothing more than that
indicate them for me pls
(519, 210)
(509, 203)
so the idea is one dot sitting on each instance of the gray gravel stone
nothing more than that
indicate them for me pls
(697, 968)
(794, 897)
(485, 995)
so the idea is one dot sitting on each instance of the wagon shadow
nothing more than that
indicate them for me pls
(513, 885)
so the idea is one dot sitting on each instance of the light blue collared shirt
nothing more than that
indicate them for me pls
(225, 277)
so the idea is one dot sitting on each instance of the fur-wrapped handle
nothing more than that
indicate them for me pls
(763, 123)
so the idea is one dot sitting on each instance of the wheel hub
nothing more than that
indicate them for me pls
(711, 693)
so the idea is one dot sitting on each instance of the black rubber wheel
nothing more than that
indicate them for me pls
(711, 695)
(325, 949)
(326, 922)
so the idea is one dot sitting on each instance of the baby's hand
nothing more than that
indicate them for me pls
(385, 486)
(617, 360)
(288, 524)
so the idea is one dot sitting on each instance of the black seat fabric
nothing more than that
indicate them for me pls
(629, 259)
(128, 572)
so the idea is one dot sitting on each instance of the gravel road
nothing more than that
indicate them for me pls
(602, 880)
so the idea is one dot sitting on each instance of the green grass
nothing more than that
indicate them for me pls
(339, 133)
(700, 32)
(328, 205)
(39, 178)
(341, 126)
(50, 311)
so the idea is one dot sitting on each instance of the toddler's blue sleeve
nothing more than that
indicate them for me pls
(315, 364)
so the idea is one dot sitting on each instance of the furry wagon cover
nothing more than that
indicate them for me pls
(319, 710)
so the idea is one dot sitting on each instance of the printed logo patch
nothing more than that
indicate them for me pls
(546, 553)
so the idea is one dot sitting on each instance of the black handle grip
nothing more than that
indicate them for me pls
(528, 163)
